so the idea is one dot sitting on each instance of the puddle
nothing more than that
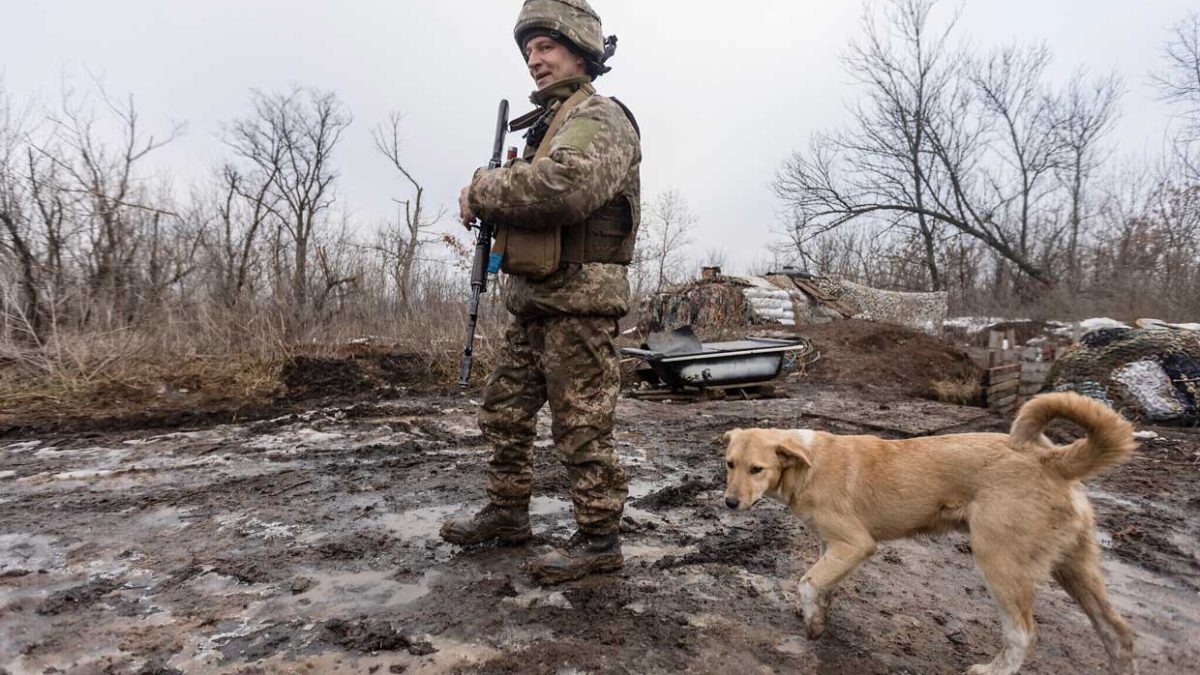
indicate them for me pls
(294, 442)
(540, 597)
(796, 646)
(342, 594)
(167, 518)
(22, 552)
(419, 523)
(641, 488)
(549, 506)
(651, 553)
(249, 526)
(69, 662)
(211, 583)
(162, 438)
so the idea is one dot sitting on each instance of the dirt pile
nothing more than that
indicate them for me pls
(885, 359)
(196, 391)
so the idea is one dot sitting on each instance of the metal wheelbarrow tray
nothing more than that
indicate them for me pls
(720, 364)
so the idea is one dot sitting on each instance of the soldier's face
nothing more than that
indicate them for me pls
(550, 61)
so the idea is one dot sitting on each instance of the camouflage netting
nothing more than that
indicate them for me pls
(1152, 375)
(922, 311)
(705, 304)
(730, 301)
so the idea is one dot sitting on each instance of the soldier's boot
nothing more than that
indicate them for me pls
(504, 524)
(584, 554)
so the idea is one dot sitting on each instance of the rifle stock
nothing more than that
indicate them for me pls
(483, 253)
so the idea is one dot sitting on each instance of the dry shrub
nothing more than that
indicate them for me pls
(960, 392)
(228, 358)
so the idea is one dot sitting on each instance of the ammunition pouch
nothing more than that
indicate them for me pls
(606, 236)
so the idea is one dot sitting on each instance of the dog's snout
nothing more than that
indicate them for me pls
(731, 502)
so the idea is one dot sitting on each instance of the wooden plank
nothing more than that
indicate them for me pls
(1002, 389)
(1007, 403)
(1000, 359)
(1001, 373)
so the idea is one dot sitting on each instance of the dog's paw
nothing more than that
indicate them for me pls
(811, 609)
(814, 628)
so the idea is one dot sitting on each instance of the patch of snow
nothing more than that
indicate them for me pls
(974, 324)
(1099, 323)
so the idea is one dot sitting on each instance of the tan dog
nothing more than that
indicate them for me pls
(1018, 494)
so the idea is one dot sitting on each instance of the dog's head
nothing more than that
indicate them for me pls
(756, 459)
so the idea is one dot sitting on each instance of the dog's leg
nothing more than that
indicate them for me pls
(838, 559)
(1079, 574)
(1012, 573)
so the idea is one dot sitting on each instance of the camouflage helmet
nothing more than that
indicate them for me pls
(575, 20)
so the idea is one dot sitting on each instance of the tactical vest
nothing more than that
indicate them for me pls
(607, 235)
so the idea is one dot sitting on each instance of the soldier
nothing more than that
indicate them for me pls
(567, 214)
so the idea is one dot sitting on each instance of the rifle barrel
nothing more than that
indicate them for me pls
(483, 250)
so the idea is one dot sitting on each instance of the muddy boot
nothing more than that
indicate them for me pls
(584, 554)
(505, 524)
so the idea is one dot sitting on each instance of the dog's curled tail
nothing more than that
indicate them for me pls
(1109, 439)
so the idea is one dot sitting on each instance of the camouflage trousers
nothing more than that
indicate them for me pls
(571, 362)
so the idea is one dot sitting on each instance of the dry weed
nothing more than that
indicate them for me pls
(959, 392)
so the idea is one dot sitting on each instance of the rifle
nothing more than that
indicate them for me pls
(485, 262)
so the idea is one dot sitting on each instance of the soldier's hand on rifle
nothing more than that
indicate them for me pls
(464, 208)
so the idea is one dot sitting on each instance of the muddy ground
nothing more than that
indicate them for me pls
(308, 543)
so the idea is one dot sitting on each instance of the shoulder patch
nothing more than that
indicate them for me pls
(579, 134)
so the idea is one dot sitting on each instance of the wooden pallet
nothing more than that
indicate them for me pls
(1002, 379)
(748, 391)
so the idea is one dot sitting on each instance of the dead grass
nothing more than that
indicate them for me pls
(960, 392)
(141, 384)
(214, 363)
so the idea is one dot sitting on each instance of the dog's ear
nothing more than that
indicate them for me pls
(792, 452)
(728, 436)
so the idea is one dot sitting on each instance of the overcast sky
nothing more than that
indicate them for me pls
(723, 91)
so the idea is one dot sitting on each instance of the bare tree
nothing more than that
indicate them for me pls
(1180, 84)
(1011, 87)
(15, 229)
(291, 138)
(1086, 114)
(107, 181)
(907, 70)
(244, 207)
(666, 226)
(400, 242)
(917, 156)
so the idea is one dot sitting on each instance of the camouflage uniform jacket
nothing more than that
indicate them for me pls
(594, 158)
